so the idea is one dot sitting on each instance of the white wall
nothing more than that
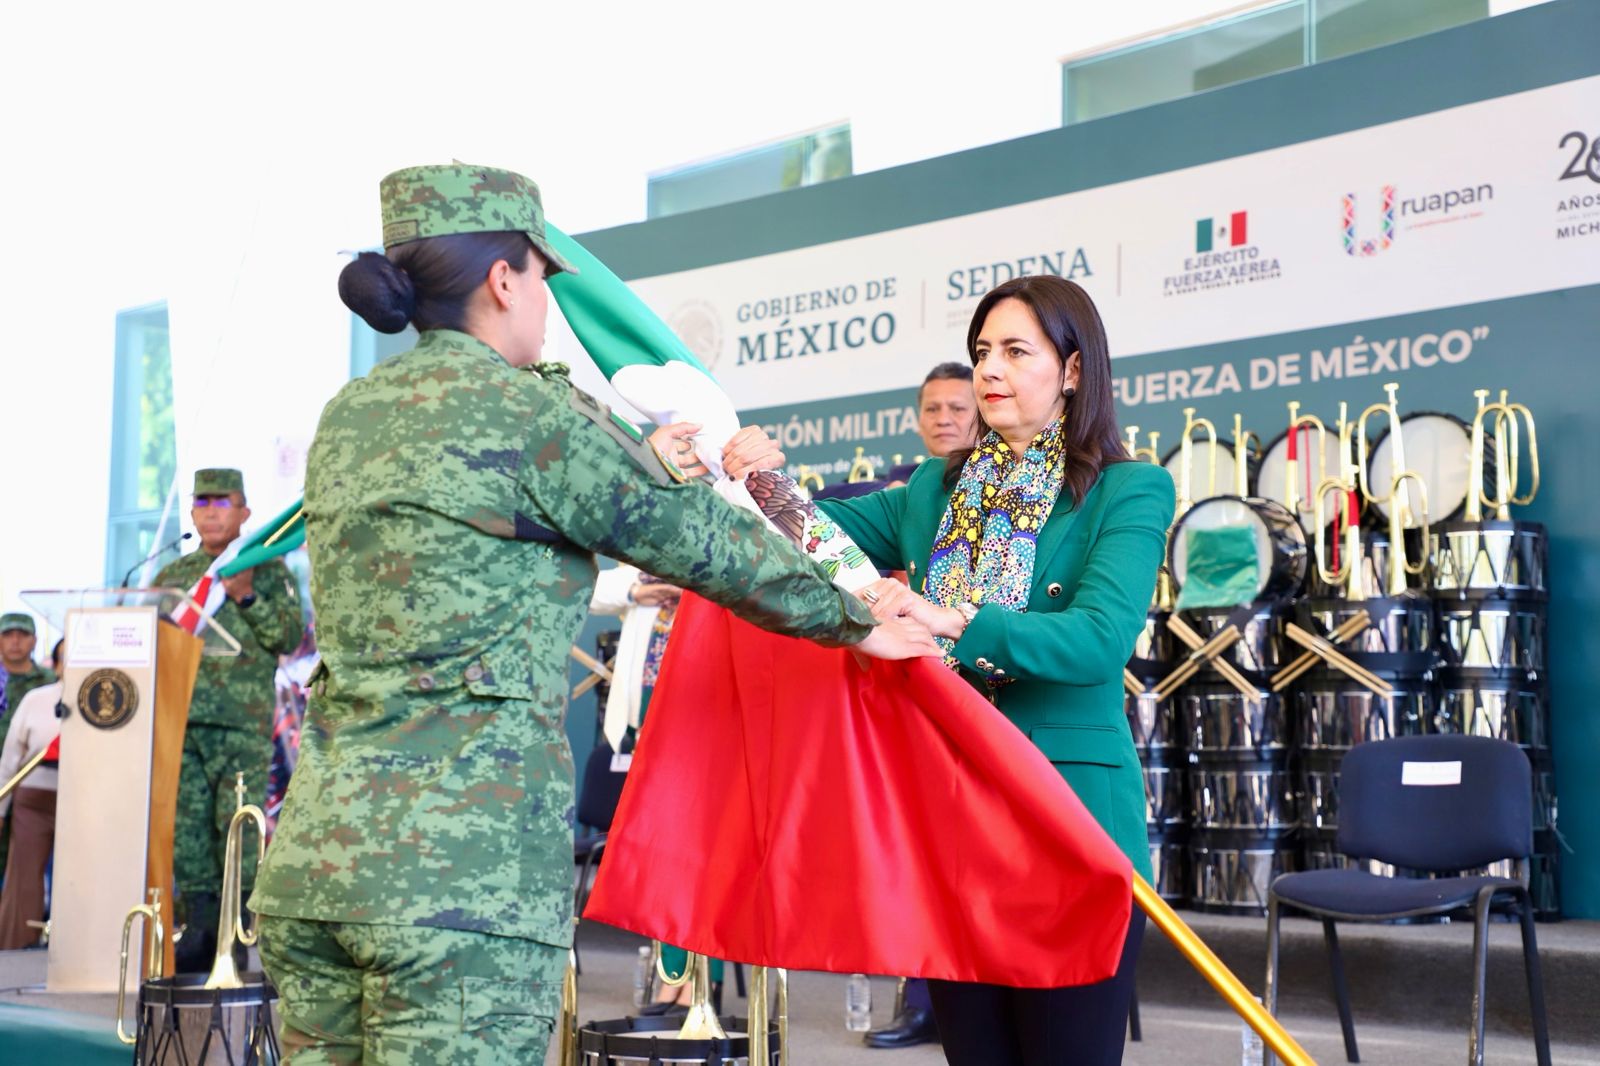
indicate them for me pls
(222, 159)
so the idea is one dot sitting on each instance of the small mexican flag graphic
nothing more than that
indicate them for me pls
(1231, 231)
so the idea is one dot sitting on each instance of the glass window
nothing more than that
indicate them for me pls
(1264, 41)
(144, 452)
(1346, 26)
(805, 160)
(1220, 53)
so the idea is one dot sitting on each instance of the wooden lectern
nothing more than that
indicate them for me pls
(127, 680)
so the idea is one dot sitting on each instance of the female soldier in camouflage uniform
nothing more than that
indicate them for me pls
(415, 901)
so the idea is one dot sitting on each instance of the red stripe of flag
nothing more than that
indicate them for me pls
(1236, 228)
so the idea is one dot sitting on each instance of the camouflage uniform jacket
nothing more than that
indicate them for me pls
(453, 508)
(238, 692)
(18, 686)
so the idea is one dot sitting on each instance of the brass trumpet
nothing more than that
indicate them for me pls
(155, 959)
(1148, 455)
(1349, 574)
(1291, 469)
(567, 1037)
(760, 1024)
(1241, 451)
(1186, 498)
(860, 467)
(1508, 453)
(701, 1023)
(1397, 497)
(230, 926)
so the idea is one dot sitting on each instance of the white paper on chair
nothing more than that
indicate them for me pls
(1430, 773)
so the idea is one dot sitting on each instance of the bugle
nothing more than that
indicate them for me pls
(1186, 459)
(701, 1022)
(1299, 424)
(230, 925)
(155, 956)
(1348, 575)
(1508, 456)
(861, 468)
(1397, 495)
(1242, 449)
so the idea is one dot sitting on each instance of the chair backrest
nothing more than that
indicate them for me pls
(1436, 803)
(600, 791)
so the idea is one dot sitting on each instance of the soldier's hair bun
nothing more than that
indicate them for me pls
(377, 290)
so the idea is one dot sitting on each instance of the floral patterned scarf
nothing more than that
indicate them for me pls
(984, 552)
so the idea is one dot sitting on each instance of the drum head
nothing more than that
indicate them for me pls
(1216, 513)
(1201, 485)
(1439, 448)
(1272, 475)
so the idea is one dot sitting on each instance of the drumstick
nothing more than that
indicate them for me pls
(1134, 686)
(1335, 658)
(1197, 658)
(1229, 672)
(1351, 626)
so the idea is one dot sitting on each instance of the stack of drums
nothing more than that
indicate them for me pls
(1240, 785)
(1333, 712)
(1491, 593)
(1158, 739)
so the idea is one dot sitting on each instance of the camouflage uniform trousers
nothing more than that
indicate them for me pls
(212, 756)
(378, 994)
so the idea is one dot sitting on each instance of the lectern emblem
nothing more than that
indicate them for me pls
(107, 698)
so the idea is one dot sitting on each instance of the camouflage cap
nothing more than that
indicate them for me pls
(16, 620)
(436, 201)
(218, 481)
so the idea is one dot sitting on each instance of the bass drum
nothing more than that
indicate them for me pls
(1439, 448)
(1202, 484)
(1280, 542)
(1272, 475)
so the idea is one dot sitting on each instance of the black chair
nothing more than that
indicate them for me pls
(598, 795)
(1433, 804)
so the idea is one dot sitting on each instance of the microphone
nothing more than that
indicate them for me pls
(153, 555)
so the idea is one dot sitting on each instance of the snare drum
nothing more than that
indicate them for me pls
(1164, 807)
(1401, 625)
(1242, 793)
(1439, 449)
(1154, 723)
(1201, 484)
(651, 1040)
(1229, 873)
(1334, 713)
(1272, 475)
(1217, 718)
(1280, 542)
(1507, 705)
(1492, 633)
(1319, 850)
(1498, 558)
(1169, 864)
(1261, 648)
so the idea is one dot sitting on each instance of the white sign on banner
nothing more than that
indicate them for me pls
(112, 638)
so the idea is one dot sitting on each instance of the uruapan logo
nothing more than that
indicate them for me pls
(1416, 212)
(1224, 256)
(1385, 237)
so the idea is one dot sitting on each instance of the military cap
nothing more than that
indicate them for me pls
(436, 201)
(16, 620)
(218, 481)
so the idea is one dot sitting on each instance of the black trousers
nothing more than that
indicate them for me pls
(992, 1025)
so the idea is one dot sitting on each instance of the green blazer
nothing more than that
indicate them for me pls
(1093, 577)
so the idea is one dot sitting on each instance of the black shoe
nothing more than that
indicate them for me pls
(910, 1028)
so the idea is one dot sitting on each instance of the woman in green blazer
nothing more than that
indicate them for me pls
(1032, 557)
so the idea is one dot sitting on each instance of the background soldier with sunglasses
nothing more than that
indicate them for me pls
(230, 717)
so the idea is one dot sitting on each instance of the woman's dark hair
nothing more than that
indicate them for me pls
(427, 282)
(1070, 321)
(55, 654)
